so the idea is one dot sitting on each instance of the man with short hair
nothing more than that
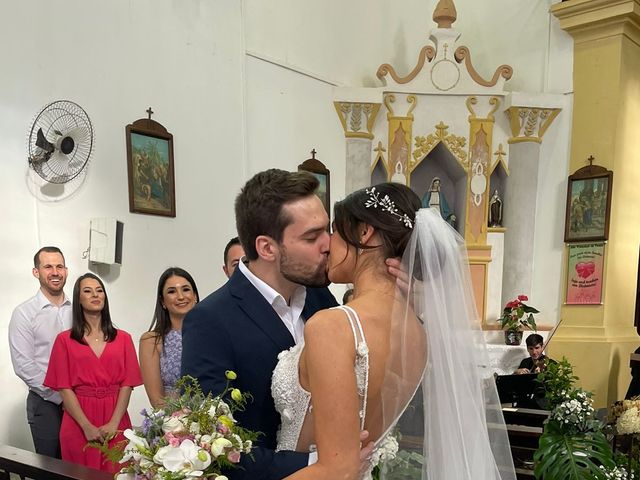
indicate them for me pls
(233, 253)
(261, 310)
(33, 328)
(536, 359)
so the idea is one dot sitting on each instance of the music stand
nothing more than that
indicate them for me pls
(518, 390)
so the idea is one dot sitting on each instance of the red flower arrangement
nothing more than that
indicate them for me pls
(518, 316)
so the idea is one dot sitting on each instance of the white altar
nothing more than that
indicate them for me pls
(504, 359)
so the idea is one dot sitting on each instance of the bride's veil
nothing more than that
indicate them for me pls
(454, 419)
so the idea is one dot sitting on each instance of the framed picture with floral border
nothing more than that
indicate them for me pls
(588, 205)
(150, 168)
(585, 269)
(317, 168)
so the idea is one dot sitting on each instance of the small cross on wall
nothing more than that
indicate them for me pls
(149, 112)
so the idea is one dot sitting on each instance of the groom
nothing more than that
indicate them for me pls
(261, 310)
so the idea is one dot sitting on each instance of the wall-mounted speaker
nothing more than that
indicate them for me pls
(105, 241)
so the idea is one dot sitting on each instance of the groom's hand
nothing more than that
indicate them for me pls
(365, 452)
(396, 269)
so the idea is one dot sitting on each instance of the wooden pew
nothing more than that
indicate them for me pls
(29, 465)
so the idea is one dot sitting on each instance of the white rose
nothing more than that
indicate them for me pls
(221, 477)
(188, 458)
(173, 424)
(218, 446)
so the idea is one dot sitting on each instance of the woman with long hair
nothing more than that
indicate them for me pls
(161, 347)
(94, 367)
(361, 364)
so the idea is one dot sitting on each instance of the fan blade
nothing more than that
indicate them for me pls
(43, 143)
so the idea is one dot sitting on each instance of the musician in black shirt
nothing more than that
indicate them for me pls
(536, 359)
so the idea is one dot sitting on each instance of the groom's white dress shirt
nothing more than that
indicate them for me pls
(291, 315)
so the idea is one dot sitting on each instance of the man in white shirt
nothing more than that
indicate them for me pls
(33, 328)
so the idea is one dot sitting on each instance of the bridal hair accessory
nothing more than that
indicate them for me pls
(386, 205)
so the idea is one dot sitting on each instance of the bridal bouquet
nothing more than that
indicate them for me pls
(193, 436)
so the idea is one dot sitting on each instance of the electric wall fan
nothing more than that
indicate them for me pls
(60, 141)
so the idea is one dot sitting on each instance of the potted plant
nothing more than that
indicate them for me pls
(516, 317)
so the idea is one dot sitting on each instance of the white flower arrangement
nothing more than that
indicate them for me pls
(194, 436)
(618, 473)
(386, 451)
(628, 422)
(575, 412)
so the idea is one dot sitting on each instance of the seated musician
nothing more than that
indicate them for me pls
(536, 360)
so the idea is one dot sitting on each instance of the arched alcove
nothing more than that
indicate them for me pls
(379, 171)
(441, 163)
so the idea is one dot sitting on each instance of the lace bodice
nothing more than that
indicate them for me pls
(293, 402)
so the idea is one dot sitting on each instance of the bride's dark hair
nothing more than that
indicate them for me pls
(393, 230)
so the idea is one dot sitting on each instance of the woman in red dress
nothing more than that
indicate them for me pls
(94, 367)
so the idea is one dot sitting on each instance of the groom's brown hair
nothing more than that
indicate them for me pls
(259, 205)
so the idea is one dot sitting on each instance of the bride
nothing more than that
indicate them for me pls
(361, 364)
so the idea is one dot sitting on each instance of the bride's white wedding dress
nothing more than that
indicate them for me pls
(293, 402)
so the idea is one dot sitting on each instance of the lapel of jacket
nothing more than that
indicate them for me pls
(256, 307)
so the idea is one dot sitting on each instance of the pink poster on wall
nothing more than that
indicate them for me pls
(584, 273)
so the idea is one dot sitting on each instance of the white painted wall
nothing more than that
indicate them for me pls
(231, 115)
(116, 59)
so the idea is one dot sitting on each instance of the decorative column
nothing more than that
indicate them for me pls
(400, 131)
(606, 117)
(527, 127)
(478, 173)
(357, 121)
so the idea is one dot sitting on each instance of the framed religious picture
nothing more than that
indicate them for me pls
(588, 204)
(150, 168)
(317, 168)
(585, 267)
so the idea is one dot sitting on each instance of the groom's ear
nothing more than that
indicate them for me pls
(266, 247)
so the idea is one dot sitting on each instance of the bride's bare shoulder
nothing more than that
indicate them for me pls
(330, 324)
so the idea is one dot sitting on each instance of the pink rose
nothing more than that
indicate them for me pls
(222, 428)
(523, 298)
(513, 304)
(233, 456)
(172, 439)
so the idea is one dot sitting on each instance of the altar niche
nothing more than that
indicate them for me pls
(441, 183)
(497, 183)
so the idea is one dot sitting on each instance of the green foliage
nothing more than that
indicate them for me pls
(572, 457)
(558, 381)
(518, 315)
(407, 465)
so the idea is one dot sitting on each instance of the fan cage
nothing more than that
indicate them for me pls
(58, 120)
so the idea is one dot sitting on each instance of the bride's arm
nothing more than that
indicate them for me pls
(328, 361)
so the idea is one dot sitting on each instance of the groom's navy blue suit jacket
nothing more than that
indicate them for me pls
(236, 329)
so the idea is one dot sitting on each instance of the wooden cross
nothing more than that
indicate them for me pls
(590, 160)
(150, 112)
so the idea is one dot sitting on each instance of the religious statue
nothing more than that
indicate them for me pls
(434, 198)
(495, 210)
